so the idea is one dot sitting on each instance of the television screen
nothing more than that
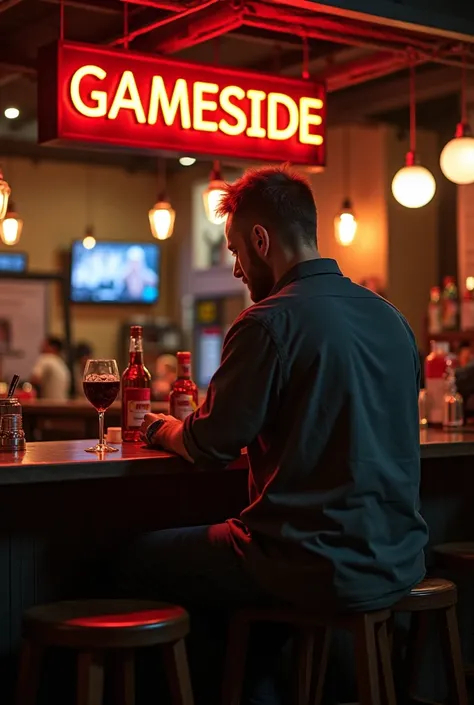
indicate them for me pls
(13, 261)
(115, 272)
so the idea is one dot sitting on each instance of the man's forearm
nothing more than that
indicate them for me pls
(170, 437)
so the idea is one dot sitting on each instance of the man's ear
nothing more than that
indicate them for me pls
(260, 240)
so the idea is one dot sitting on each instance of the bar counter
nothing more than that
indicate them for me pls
(62, 508)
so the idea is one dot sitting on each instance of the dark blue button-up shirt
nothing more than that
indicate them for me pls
(320, 383)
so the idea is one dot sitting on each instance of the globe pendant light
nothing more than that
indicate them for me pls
(213, 194)
(162, 215)
(457, 157)
(413, 186)
(345, 223)
(5, 192)
(89, 241)
(11, 226)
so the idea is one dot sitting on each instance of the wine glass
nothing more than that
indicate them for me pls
(101, 382)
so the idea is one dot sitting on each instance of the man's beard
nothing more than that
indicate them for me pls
(260, 281)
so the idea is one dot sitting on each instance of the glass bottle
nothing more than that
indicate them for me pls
(184, 392)
(136, 389)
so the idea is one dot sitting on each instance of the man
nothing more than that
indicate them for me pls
(319, 381)
(50, 373)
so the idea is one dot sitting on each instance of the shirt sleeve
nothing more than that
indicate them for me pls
(240, 396)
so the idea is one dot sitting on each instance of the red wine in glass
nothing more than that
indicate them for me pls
(101, 384)
(101, 394)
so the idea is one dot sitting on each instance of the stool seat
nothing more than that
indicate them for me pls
(430, 594)
(455, 556)
(105, 624)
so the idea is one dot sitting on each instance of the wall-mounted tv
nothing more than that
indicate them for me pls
(115, 273)
(15, 262)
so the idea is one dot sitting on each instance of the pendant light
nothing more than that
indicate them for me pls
(212, 195)
(457, 158)
(345, 223)
(413, 186)
(162, 215)
(5, 192)
(11, 226)
(89, 241)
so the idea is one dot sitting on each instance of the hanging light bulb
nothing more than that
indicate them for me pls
(5, 192)
(413, 186)
(11, 226)
(345, 224)
(162, 217)
(457, 158)
(89, 241)
(213, 194)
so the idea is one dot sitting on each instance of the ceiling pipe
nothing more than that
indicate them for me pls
(202, 31)
(164, 4)
(162, 23)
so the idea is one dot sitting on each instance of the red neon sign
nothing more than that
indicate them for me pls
(112, 97)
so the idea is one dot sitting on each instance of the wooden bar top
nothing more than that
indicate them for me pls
(76, 407)
(67, 460)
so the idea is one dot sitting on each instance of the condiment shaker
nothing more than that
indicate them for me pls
(12, 435)
(453, 407)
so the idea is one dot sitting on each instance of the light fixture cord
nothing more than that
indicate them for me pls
(346, 162)
(125, 24)
(412, 107)
(463, 89)
(305, 71)
(61, 20)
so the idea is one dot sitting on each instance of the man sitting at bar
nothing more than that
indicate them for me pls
(319, 382)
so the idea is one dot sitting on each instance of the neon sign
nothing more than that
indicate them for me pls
(132, 100)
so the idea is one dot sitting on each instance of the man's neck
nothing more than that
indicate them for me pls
(287, 262)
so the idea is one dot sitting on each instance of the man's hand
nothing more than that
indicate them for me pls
(169, 435)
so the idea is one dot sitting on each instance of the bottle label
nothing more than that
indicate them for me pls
(435, 389)
(181, 406)
(450, 314)
(137, 403)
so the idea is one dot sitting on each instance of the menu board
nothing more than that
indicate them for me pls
(23, 325)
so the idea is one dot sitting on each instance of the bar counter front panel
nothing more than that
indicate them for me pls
(60, 508)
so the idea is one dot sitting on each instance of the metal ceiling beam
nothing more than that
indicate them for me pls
(202, 26)
(8, 4)
(375, 98)
(103, 7)
(176, 6)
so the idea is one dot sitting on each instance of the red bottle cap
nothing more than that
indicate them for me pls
(183, 356)
(136, 331)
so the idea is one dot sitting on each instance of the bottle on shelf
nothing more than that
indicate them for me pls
(435, 371)
(450, 304)
(184, 392)
(453, 408)
(136, 389)
(467, 310)
(434, 311)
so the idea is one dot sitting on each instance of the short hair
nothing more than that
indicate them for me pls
(55, 343)
(280, 196)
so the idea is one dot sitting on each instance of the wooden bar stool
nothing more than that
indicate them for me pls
(371, 644)
(433, 598)
(96, 627)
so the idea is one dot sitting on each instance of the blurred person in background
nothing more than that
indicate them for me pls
(50, 374)
(82, 353)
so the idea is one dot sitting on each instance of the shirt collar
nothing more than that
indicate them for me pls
(311, 268)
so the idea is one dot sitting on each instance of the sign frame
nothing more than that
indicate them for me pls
(60, 122)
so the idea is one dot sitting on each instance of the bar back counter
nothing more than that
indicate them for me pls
(60, 508)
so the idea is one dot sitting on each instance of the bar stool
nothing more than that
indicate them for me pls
(371, 648)
(95, 628)
(433, 598)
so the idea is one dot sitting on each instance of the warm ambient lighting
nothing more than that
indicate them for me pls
(345, 224)
(11, 227)
(187, 161)
(470, 283)
(162, 217)
(213, 194)
(457, 158)
(12, 113)
(5, 192)
(413, 186)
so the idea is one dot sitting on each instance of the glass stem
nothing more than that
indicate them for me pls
(101, 428)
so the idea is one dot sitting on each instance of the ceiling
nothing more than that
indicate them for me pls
(364, 63)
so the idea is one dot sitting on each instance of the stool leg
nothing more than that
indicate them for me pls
(90, 679)
(124, 677)
(385, 655)
(178, 673)
(29, 673)
(455, 676)
(234, 668)
(366, 661)
(320, 667)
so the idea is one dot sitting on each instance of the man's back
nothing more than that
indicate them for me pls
(335, 470)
